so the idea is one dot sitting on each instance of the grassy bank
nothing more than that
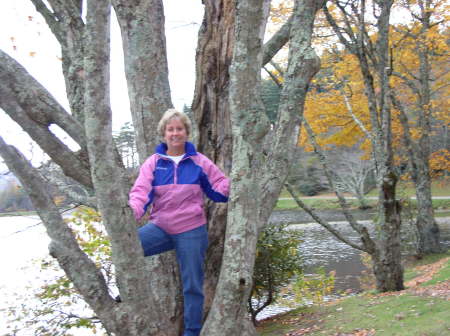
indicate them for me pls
(422, 309)
(404, 189)
(18, 213)
(317, 203)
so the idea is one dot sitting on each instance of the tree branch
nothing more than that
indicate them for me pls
(109, 178)
(410, 83)
(50, 18)
(355, 118)
(337, 30)
(34, 109)
(277, 41)
(142, 27)
(302, 66)
(79, 268)
(320, 221)
(273, 77)
(368, 243)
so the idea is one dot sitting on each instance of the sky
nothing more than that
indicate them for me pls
(25, 36)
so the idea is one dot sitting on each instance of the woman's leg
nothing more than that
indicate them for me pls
(154, 240)
(191, 248)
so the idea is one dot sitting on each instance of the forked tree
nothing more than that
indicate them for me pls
(233, 129)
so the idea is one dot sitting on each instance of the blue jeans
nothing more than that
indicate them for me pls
(190, 248)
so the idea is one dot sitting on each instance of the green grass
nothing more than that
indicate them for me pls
(322, 204)
(403, 315)
(406, 189)
(316, 203)
(396, 314)
(18, 213)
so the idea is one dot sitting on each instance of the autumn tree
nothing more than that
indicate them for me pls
(421, 74)
(350, 21)
(232, 125)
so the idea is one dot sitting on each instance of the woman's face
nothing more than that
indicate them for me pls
(175, 135)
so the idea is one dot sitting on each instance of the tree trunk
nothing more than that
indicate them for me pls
(144, 44)
(127, 256)
(429, 235)
(257, 177)
(428, 230)
(386, 259)
(387, 254)
(212, 117)
(146, 70)
(419, 153)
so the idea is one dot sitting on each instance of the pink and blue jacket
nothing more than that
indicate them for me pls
(175, 192)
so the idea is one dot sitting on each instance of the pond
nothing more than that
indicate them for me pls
(321, 249)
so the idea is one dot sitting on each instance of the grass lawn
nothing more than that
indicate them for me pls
(315, 203)
(420, 310)
(404, 190)
(438, 188)
(18, 213)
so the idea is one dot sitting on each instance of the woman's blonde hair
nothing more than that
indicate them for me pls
(174, 114)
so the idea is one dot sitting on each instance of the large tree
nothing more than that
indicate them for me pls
(421, 71)
(232, 127)
(350, 22)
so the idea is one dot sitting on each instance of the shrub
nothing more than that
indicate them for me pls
(277, 261)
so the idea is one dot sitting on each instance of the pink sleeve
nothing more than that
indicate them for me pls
(141, 194)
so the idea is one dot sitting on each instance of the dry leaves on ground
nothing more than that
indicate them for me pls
(426, 272)
(358, 332)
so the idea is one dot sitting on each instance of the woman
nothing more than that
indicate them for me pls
(172, 182)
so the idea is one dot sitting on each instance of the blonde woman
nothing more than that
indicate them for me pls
(170, 185)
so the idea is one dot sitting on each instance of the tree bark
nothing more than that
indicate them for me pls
(30, 105)
(257, 177)
(144, 44)
(374, 62)
(127, 254)
(212, 117)
(65, 21)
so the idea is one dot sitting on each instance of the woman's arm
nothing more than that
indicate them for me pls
(141, 194)
(213, 181)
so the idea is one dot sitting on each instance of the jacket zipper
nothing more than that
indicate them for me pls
(175, 175)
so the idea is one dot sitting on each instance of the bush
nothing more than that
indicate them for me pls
(277, 261)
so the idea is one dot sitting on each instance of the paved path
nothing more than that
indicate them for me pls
(352, 197)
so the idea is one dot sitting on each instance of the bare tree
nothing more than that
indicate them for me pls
(150, 289)
(353, 175)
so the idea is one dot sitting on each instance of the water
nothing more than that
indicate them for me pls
(23, 241)
(321, 249)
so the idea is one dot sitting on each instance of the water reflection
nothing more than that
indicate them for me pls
(321, 249)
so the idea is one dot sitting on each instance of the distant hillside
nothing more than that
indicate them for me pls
(12, 195)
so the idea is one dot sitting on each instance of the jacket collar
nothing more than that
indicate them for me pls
(189, 149)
